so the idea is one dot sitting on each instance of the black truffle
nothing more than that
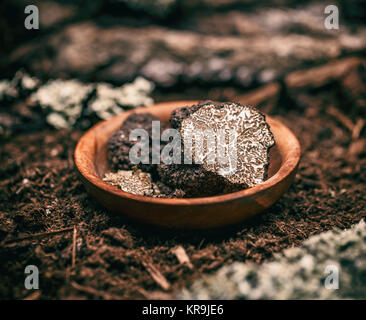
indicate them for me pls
(118, 155)
(241, 137)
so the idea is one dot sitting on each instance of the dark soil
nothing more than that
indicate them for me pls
(115, 258)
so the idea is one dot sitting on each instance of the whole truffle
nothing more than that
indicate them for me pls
(237, 156)
(119, 144)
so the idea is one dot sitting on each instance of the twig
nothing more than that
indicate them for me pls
(39, 235)
(342, 118)
(321, 179)
(70, 158)
(200, 244)
(46, 177)
(182, 256)
(357, 128)
(19, 190)
(33, 296)
(95, 292)
(157, 276)
(74, 248)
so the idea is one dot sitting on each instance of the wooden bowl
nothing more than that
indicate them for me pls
(191, 213)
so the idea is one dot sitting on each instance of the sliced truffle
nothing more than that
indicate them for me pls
(137, 182)
(133, 181)
(234, 141)
(119, 144)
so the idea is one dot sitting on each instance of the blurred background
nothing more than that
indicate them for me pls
(177, 44)
(192, 49)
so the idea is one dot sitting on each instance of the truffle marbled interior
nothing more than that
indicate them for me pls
(241, 138)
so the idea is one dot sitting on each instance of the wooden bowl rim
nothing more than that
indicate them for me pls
(287, 167)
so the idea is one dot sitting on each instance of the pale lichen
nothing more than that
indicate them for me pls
(243, 137)
(297, 273)
(7, 90)
(63, 100)
(22, 83)
(110, 101)
(132, 181)
(25, 82)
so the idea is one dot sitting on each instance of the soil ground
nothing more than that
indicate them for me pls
(116, 258)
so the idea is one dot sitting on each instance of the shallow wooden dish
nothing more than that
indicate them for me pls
(195, 213)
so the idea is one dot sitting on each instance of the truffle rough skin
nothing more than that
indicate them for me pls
(193, 180)
(119, 147)
(119, 144)
(245, 142)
